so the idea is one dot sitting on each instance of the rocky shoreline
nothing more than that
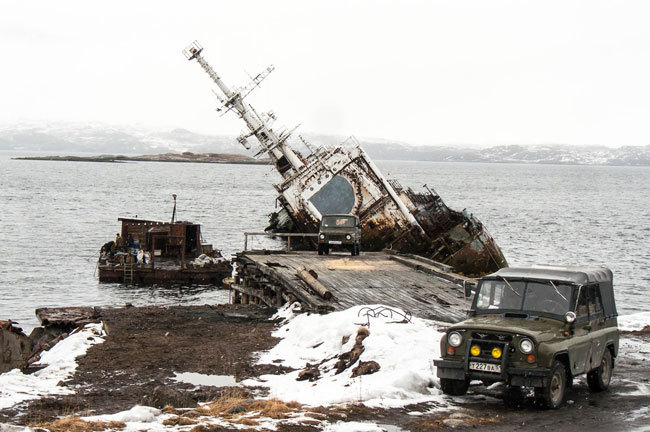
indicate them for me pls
(145, 348)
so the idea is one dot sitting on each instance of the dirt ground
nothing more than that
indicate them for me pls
(145, 346)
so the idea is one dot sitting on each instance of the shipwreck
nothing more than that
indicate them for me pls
(344, 180)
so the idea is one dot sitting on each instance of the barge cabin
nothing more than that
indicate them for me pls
(147, 251)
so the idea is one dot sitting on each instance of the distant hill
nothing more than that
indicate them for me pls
(536, 154)
(224, 158)
(95, 138)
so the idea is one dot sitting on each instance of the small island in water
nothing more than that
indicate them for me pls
(163, 157)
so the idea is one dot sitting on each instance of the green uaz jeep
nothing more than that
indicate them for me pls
(535, 327)
(339, 230)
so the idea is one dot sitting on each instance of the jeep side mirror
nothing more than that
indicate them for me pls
(570, 317)
(468, 289)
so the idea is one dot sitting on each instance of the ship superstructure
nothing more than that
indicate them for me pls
(343, 179)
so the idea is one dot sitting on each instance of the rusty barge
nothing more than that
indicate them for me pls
(147, 251)
(343, 179)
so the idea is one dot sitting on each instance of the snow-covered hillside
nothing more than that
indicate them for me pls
(99, 138)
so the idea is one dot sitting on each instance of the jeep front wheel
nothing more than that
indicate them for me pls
(599, 378)
(454, 387)
(553, 393)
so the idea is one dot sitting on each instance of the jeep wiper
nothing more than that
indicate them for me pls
(510, 286)
(558, 292)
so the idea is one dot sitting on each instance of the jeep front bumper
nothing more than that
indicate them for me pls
(457, 369)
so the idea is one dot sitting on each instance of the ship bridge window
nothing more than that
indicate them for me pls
(336, 197)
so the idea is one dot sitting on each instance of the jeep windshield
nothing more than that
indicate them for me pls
(523, 297)
(338, 222)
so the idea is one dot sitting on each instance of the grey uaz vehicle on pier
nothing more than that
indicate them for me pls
(535, 327)
(340, 230)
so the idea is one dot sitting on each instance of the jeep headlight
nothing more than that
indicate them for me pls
(526, 346)
(347, 237)
(322, 236)
(454, 339)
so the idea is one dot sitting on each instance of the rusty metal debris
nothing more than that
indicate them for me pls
(343, 179)
(383, 311)
(15, 346)
(19, 351)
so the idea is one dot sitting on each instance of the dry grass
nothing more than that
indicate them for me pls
(179, 421)
(271, 408)
(275, 408)
(246, 421)
(76, 424)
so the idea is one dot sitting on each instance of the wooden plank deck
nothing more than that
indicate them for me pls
(371, 278)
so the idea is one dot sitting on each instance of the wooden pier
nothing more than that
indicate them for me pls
(326, 283)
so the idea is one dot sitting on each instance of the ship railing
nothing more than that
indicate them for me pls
(289, 236)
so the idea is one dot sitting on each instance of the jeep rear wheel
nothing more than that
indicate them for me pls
(454, 387)
(599, 378)
(553, 393)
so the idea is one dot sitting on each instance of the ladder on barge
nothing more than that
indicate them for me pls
(128, 273)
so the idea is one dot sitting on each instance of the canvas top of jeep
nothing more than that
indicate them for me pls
(540, 291)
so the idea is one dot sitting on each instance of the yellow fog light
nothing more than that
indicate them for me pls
(475, 350)
(496, 353)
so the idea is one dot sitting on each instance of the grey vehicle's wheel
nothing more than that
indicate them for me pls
(454, 387)
(327, 249)
(320, 249)
(599, 378)
(552, 395)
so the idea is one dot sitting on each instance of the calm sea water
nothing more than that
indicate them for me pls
(54, 216)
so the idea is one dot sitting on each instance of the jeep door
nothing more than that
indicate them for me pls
(598, 329)
(580, 343)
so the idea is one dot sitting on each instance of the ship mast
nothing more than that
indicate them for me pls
(275, 144)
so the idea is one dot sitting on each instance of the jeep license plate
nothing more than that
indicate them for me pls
(485, 367)
(335, 241)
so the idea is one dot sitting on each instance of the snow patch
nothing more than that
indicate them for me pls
(634, 322)
(404, 351)
(16, 387)
(137, 414)
(353, 427)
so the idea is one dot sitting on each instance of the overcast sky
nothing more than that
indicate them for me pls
(471, 72)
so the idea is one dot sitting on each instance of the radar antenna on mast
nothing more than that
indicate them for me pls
(285, 159)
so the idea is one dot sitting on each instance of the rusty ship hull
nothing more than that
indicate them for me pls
(343, 179)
